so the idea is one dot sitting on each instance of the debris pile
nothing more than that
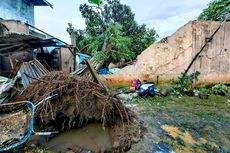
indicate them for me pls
(80, 102)
(12, 127)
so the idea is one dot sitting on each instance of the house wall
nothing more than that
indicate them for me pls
(66, 60)
(17, 10)
(5, 64)
(166, 60)
(15, 27)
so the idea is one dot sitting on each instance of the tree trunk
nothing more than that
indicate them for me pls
(105, 43)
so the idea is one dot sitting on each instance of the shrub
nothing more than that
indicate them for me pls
(184, 83)
(220, 89)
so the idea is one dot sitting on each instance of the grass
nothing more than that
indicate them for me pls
(206, 120)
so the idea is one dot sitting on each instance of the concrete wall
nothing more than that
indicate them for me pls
(166, 60)
(15, 27)
(17, 10)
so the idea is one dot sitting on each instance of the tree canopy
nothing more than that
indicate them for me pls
(95, 1)
(216, 11)
(111, 32)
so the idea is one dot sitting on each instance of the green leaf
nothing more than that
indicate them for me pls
(216, 10)
(95, 1)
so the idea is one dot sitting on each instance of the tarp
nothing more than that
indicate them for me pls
(5, 89)
(114, 70)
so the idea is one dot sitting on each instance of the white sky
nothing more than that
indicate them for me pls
(166, 16)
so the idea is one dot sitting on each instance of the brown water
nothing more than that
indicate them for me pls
(91, 137)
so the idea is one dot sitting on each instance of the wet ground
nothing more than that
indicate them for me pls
(184, 124)
(174, 124)
(92, 137)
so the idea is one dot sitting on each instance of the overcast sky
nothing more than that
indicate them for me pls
(166, 16)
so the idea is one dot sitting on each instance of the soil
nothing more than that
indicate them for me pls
(78, 103)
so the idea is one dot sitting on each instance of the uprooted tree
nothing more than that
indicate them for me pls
(111, 32)
(80, 102)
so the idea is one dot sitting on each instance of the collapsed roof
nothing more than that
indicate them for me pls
(18, 42)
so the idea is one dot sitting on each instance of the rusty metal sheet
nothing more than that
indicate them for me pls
(30, 71)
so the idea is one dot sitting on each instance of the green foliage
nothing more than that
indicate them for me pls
(100, 56)
(216, 11)
(180, 141)
(184, 83)
(202, 93)
(220, 89)
(120, 43)
(95, 1)
(112, 29)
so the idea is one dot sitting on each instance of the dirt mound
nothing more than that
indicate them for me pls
(78, 102)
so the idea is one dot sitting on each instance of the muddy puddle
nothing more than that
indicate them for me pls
(92, 137)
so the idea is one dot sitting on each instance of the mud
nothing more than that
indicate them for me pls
(184, 124)
(185, 138)
(90, 137)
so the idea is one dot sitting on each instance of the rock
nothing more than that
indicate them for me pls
(125, 97)
(33, 145)
(164, 92)
(116, 144)
(135, 95)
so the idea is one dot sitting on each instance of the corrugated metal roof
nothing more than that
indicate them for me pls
(16, 42)
(31, 71)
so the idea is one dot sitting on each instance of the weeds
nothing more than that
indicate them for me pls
(184, 84)
(220, 89)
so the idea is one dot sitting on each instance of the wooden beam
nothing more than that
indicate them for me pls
(10, 47)
(95, 76)
(5, 45)
(11, 61)
(15, 69)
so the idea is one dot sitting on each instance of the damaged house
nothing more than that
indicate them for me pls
(21, 41)
(14, 14)
(21, 10)
(26, 56)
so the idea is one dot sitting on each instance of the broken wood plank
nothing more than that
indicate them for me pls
(15, 69)
(95, 76)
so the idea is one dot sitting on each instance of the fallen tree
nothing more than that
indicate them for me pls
(80, 102)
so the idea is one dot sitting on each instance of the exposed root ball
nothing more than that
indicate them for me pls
(78, 100)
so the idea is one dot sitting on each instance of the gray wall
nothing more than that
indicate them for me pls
(17, 10)
(166, 60)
